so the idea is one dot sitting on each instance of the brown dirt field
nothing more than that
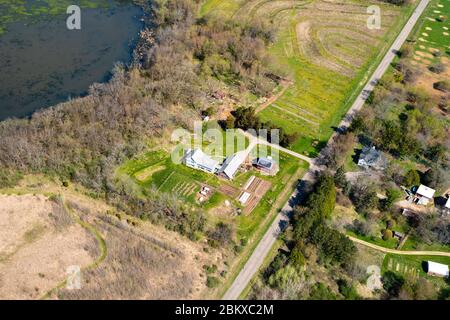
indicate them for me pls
(427, 78)
(34, 252)
(255, 183)
(262, 188)
(229, 190)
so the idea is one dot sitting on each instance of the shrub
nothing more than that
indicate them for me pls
(437, 68)
(390, 223)
(347, 290)
(297, 258)
(9, 178)
(339, 177)
(443, 86)
(212, 282)
(222, 234)
(412, 178)
(208, 112)
(392, 195)
(210, 269)
(387, 234)
(392, 283)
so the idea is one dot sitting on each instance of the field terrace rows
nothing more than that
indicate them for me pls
(325, 47)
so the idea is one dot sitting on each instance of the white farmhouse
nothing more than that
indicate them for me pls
(437, 269)
(424, 195)
(195, 158)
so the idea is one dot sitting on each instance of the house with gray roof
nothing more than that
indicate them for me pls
(372, 158)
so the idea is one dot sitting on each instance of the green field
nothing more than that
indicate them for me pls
(31, 10)
(413, 266)
(326, 49)
(433, 33)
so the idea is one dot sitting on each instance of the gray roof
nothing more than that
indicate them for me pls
(373, 157)
(265, 163)
(232, 164)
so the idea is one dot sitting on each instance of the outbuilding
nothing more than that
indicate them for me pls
(232, 164)
(266, 165)
(437, 269)
(423, 195)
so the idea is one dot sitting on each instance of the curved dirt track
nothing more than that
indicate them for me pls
(399, 252)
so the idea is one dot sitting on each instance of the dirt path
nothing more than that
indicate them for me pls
(255, 141)
(285, 85)
(399, 252)
(101, 244)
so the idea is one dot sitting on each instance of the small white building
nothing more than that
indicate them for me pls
(244, 198)
(423, 195)
(232, 164)
(437, 269)
(195, 158)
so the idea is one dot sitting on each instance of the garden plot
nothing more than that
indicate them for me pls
(407, 269)
(413, 266)
(257, 188)
(180, 185)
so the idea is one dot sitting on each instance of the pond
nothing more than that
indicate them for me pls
(43, 63)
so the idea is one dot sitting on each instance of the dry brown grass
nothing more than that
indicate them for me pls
(38, 242)
(143, 261)
(142, 265)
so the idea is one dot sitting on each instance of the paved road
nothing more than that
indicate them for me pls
(382, 67)
(256, 259)
(400, 252)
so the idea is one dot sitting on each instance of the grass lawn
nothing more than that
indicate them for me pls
(328, 56)
(415, 244)
(156, 169)
(413, 266)
(391, 243)
(433, 31)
